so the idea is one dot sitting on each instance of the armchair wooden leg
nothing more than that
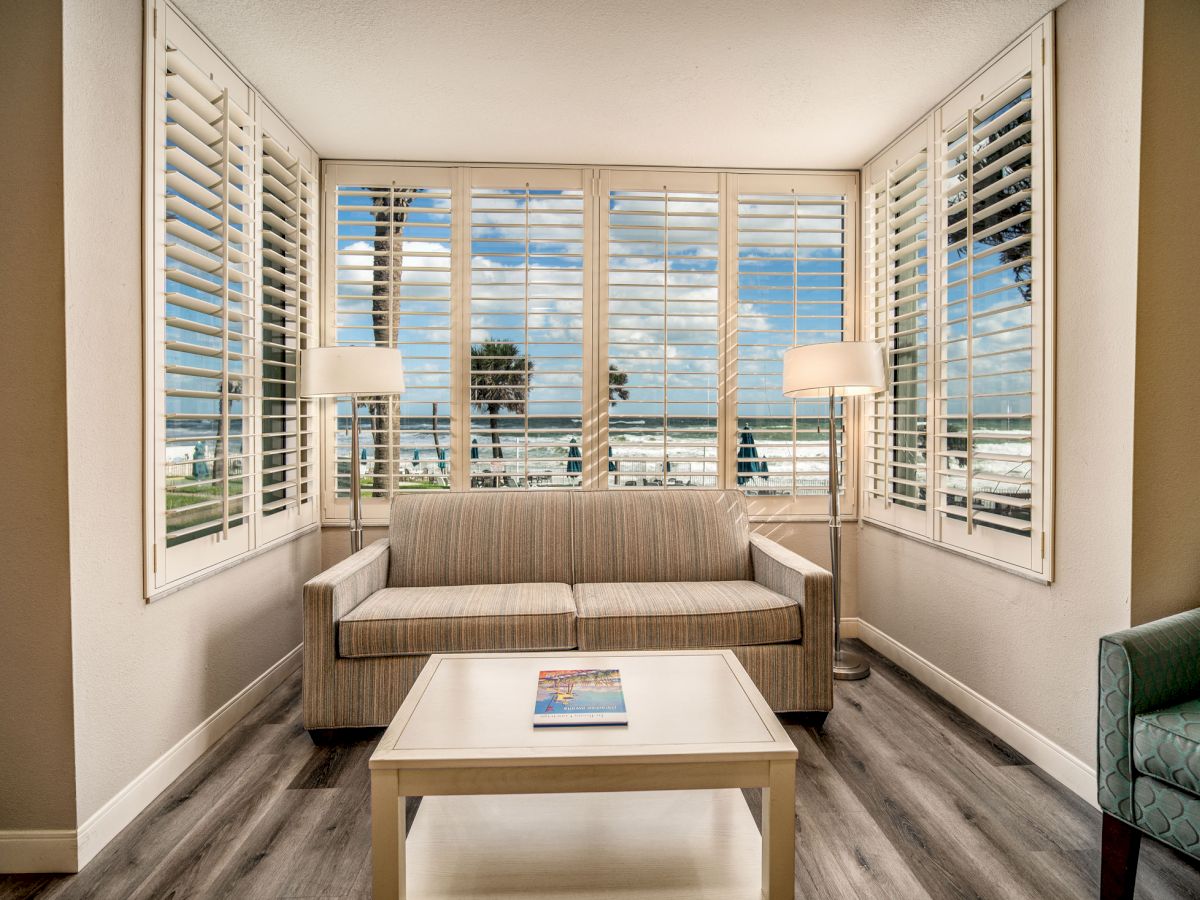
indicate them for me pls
(1119, 845)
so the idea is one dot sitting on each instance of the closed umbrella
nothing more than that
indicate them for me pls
(749, 463)
(441, 459)
(199, 469)
(574, 459)
(612, 463)
(474, 449)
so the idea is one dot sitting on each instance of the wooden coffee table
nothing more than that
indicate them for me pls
(696, 721)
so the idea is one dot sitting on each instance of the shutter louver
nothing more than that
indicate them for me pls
(897, 264)
(790, 290)
(392, 288)
(208, 305)
(288, 301)
(985, 465)
(526, 334)
(663, 313)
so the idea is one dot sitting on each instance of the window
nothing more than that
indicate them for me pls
(526, 329)
(896, 215)
(661, 283)
(959, 448)
(567, 328)
(390, 285)
(288, 472)
(790, 289)
(230, 240)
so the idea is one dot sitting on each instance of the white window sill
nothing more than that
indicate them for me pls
(1035, 577)
(196, 577)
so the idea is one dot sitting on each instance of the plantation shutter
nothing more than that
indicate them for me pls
(989, 417)
(288, 247)
(527, 314)
(390, 286)
(204, 326)
(898, 277)
(790, 241)
(661, 286)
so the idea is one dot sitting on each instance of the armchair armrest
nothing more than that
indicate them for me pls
(1141, 669)
(785, 572)
(811, 586)
(327, 598)
(339, 589)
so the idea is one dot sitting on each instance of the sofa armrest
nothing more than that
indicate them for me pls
(339, 589)
(790, 574)
(1141, 669)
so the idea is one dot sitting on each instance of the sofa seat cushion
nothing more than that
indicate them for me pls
(460, 619)
(1166, 744)
(665, 615)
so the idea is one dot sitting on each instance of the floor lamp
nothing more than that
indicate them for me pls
(840, 369)
(352, 372)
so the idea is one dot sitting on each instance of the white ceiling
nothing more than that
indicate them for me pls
(730, 83)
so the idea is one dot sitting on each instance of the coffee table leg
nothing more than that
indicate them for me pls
(387, 835)
(779, 832)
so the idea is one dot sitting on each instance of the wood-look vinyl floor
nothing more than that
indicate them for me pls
(898, 796)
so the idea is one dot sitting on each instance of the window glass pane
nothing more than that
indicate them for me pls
(392, 289)
(287, 304)
(986, 463)
(790, 291)
(207, 303)
(663, 332)
(526, 366)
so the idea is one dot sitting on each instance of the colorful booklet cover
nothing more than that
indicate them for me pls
(579, 697)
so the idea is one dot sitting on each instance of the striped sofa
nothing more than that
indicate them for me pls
(530, 571)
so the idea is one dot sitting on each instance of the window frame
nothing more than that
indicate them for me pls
(1031, 53)
(167, 569)
(462, 177)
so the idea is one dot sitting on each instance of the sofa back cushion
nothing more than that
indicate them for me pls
(507, 537)
(626, 535)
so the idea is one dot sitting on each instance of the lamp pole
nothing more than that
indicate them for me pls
(846, 666)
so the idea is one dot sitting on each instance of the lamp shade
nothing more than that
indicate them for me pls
(840, 368)
(344, 371)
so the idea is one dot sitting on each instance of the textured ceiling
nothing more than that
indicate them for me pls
(735, 83)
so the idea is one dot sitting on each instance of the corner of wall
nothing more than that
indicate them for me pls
(1166, 491)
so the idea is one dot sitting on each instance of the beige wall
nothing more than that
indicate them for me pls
(145, 674)
(810, 539)
(1029, 648)
(1166, 495)
(36, 784)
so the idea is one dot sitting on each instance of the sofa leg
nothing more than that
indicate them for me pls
(332, 737)
(1119, 845)
(804, 719)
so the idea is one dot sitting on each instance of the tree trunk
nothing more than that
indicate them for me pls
(437, 443)
(497, 450)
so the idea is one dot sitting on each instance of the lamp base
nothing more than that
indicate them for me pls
(849, 666)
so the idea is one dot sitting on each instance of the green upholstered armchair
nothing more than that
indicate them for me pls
(1148, 762)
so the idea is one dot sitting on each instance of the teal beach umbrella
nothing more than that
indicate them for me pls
(749, 463)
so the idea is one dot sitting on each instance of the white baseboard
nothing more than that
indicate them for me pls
(1072, 772)
(37, 851)
(849, 628)
(118, 812)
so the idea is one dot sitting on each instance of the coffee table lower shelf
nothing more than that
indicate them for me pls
(653, 845)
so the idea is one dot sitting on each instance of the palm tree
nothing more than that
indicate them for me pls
(499, 383)
(616, 383)
(383, 415)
